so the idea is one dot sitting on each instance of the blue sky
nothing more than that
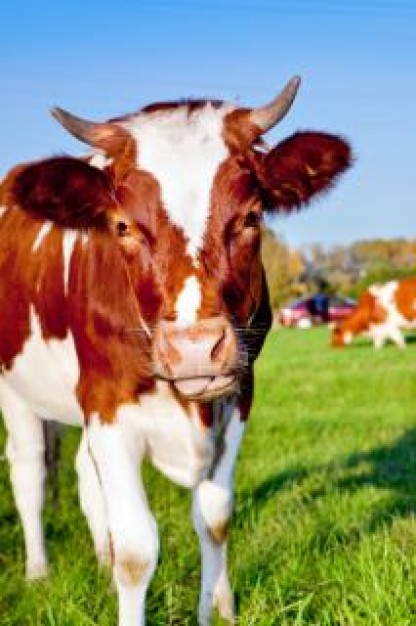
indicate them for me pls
(357, 60)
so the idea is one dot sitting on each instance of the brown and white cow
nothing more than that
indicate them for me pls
(133, 303)
(382, 312)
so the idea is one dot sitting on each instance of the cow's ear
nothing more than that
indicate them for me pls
(300, 167)
(65, 190)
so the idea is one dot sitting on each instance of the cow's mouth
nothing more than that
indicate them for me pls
(204, 388)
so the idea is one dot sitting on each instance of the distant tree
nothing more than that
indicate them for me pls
(351, 269)
(347, 269)
(283, 267)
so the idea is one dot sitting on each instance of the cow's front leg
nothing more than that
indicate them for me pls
(92, 501)
(379, 335)
(212, 510)
(25, 452)
(133, 534)
(397, 337)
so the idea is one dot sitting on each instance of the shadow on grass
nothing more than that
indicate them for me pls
(390, 467)
(256, 498)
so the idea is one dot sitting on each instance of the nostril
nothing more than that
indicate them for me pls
(218, 349)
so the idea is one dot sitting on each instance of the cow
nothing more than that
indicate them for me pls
(383, 310)
(133, 304)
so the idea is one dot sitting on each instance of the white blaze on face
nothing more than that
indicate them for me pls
(188, 302)
(183, 152)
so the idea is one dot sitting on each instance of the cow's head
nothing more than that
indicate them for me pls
(340, 337)
(195, 178)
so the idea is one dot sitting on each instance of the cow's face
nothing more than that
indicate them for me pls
(197, 184)
(202, 205)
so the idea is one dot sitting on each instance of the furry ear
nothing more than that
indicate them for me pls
(65, 190)
(301, 167)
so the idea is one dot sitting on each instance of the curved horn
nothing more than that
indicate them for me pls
(85, 131)
(269, 115)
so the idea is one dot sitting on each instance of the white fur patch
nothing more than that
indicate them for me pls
(44, 230)
(385, 293)
(175, 441)
(183, 152)
(215, 502)
(395, 320)
(99, 160)
(84, 238)
(3, 210)
(188, 302)
(159, 428)
(68, 243)
(91, 500)
(25, 452)
(386, 296)
(348, 336)
(45, 374)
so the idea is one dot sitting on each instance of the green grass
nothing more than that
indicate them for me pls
(324, 530)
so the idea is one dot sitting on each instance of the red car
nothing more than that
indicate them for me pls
(316, 309)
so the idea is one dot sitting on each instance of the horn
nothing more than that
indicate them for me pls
(269, 115)
(81, 129)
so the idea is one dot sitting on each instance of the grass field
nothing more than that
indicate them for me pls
(324, 530)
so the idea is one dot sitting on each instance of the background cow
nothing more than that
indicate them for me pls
(133, 304)
(382, 311)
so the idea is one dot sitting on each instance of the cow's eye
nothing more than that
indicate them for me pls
(252, 219)
(122, 228)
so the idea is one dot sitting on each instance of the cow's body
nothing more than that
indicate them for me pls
(382, 313)
(134, 303)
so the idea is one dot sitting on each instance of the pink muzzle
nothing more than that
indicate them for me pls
(199, 359)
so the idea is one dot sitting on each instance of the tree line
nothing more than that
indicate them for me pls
(341, 269)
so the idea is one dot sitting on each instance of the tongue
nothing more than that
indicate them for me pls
(192, 386)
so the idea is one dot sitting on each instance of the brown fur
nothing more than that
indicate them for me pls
(22, 284)
(190, 104)
(206, 413)
(301, 166)
(406, 298)
(239, 133)
(219, 532)
(131, 569)
(104, 315)
(65, 190)
(357, 322)
(113, 351)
